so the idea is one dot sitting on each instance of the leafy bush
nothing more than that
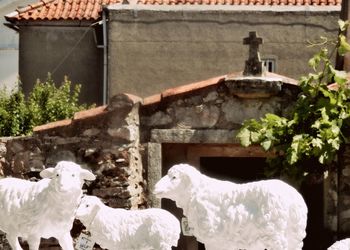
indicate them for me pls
(46, 103)
(318, 125)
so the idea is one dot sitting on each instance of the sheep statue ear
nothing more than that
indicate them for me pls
(47, 173)
(87, 175)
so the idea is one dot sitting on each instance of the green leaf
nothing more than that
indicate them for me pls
(266, 145)
(343, 25)
(340, 77)
(254, 136)
(244, 137)
(315, 61)
(344, 46)
(317, 142)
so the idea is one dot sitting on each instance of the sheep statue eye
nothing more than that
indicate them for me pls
(57, 175)
(173, 178)
(73, 175)
(87, 205)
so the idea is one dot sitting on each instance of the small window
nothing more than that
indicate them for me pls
(270, 64)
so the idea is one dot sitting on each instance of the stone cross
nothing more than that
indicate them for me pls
(253, 66)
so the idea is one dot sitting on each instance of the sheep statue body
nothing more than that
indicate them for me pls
(226, 216)
(340, 245)
(116, 228)
(43, 209)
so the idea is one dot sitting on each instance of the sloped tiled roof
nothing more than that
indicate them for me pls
(160, 97)
(61, 10)
(188, 88)
(91, 9)
(243, 2)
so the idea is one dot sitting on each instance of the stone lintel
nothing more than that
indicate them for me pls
(255, 87)
(194, 136)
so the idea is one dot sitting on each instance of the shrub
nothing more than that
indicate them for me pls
(46, 103)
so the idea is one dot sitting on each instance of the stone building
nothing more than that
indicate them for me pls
(63, 38)
(133, 141)
(143, 47)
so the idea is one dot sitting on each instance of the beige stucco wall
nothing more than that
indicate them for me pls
(154, 48)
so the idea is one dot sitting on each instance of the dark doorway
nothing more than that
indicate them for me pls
(236, 169)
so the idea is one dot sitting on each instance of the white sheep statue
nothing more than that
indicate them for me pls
(117, 228)
(43, 209)
(340, 245)
(223, 215)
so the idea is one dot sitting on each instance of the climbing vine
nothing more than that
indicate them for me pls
(319, 122)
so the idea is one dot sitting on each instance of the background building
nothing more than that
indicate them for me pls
(142, 47)
(9, 45)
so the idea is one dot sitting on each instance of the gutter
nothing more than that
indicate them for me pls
(104, 46)
(10, 21)
(105, 63)
(12, 26)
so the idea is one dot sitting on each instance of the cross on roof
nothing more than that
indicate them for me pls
(253, 65)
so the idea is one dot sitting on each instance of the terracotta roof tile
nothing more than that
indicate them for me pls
(91, 9)
(242, 2)
(90, 112)
(77, 116)
(61, 10)
(192, 86)
(152, 99)
(181, 90)
(51, 125)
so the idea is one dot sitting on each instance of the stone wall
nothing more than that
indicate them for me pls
(212, 108)
(104, 140)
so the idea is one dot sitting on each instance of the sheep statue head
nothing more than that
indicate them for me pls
(67, 176)
(88, 209)
(180, 180)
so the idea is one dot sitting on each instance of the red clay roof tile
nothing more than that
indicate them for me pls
(62, 10)
(61, 123)
(192, 86)
(90, 112)
(242, 2)
(91, 9)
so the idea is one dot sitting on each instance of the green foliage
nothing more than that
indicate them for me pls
(318, 124)
(13, 113)
(46, 103)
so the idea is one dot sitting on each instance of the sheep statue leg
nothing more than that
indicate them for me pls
(14, 243)
(66, 241)
(33, 242)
